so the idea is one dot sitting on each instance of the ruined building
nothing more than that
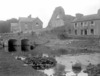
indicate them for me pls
(26, 24)
(57, 18)
(60, 19)
(87, 25)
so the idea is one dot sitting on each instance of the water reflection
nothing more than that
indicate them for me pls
(25, 48)
(17, 49)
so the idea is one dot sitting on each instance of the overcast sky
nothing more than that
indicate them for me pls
(44, 8)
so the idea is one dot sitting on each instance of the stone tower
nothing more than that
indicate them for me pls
(57, 18)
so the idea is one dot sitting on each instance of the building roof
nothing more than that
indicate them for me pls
(14, 24)
(25, 19)
(87, 18)
(68, 18)
(30, 19)
(37, 20)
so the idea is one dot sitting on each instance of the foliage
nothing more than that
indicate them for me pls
(60, 32)
(62, 36)
(93, 70)
(62, 51)
(5, 25)
(40, 63)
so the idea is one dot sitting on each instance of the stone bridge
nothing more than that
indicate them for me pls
(25, 41)
(18, 39)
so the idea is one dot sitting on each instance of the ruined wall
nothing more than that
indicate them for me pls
(57, 18)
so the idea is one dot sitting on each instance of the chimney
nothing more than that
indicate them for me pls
(99, 12)
(78, 15)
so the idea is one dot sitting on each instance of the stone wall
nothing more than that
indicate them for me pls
(8, 36)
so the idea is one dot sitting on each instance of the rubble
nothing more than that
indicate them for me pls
(39, 62)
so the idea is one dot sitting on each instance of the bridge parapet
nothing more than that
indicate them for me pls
(8, 36)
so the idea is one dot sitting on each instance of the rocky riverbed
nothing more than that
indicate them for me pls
(69, 60)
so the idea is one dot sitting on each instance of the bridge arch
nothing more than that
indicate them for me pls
(12, 43)
(25, 45)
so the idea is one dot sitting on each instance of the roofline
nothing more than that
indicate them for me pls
(84, 20)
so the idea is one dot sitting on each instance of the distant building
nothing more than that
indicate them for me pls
(87, 25)
(27, 24)
(15, 28)
(79, 25)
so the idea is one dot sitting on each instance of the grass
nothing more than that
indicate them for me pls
(11, 67)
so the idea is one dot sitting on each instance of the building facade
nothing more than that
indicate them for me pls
(27, 25)
(87, 25)
(15, 28)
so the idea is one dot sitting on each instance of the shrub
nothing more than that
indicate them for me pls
(62, 36)
(62, 51)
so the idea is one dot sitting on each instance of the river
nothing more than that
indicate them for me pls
(69, 59)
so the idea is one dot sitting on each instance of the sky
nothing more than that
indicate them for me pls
(44, 8)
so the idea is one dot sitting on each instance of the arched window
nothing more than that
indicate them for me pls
(58, 16)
